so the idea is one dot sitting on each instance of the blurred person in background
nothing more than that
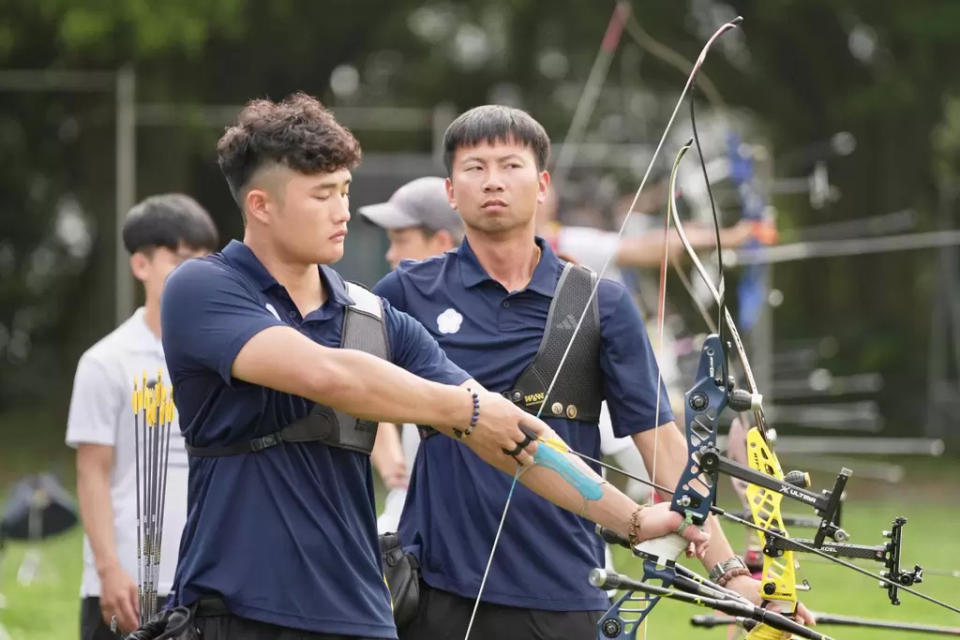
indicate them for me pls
(420, 224)
(160, 233)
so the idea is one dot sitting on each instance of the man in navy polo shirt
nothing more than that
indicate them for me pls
(280, 369)
(487, 304)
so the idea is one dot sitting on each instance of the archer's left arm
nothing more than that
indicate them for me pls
(637, 399)
(664, 451)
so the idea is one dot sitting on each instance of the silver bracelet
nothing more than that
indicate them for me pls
(729, 564)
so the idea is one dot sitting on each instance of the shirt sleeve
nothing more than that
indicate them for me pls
(207, 316)
(95, 404)
(590, 247)
(414, 349)
(391, 289)
(629, 366)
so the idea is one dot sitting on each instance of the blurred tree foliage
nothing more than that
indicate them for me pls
(801, 69)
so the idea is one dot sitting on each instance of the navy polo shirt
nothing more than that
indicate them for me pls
(455, 500)
(288, 535)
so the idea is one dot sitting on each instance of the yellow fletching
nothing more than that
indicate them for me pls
(133, 398)
(144, 393)
(151, 402)
(170, 406)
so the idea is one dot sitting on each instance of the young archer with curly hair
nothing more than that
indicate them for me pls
(280, 370)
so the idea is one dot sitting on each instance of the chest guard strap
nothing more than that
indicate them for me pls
(578, 394)
(363, 329)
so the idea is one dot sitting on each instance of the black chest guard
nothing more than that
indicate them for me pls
(364, 330)
(577, 394)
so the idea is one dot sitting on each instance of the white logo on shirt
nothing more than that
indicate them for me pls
(273, 311)
(449, 321)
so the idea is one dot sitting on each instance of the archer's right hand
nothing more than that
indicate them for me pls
(498, 430)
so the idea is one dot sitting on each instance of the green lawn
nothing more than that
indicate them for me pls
(930, 497)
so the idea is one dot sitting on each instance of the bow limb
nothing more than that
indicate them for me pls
(778, 576)
(671, 57)
(590, 92)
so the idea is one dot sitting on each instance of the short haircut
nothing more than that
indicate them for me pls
(493, 123)
(169, 220)
(299, 133)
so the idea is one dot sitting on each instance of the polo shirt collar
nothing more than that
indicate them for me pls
(544, 280)
(243, 258)
(334, 285)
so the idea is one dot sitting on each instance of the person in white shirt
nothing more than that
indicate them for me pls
(159, 232)
(420, 223)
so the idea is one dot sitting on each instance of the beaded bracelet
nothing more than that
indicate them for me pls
(635, 532)
(730, 574)
(476, 412)
(474, 418)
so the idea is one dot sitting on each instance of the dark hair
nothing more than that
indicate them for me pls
(169, 220)
(297, 132)
(495, 123)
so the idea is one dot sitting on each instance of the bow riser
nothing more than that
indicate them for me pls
(703, 403)
(625, 618)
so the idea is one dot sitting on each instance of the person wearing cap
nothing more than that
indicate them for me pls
(420, 223)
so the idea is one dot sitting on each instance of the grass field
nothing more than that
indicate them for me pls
(929, 497)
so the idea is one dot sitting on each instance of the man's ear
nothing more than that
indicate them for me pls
(140, 266)
(257, 205)
(448, 183)
(543, 186)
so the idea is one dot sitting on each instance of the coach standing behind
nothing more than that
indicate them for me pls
(504, 307)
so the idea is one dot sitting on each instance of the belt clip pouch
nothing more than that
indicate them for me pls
(402, 572)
